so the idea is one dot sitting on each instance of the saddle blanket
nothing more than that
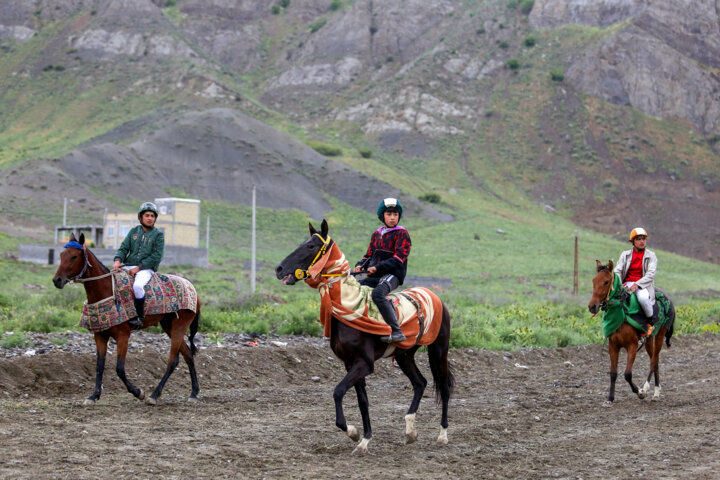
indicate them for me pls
(419, 311)
(629, 311)
(163, 294)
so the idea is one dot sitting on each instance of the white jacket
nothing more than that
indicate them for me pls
(649, 266)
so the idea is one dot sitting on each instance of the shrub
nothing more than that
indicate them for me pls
(315, 26)
(557, 76)
(325, 149)
(170, 3)
(513, 63)
(526, 6)
(335, 5)
(275, 9)
(285, 3)
(17, 339)
(365, 152)
(431, 197)
(529, 41)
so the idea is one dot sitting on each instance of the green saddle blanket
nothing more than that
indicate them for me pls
(623, 307)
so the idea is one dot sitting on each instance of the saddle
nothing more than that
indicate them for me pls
(163, 294)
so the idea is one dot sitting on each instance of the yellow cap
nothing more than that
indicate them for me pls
(637, 231)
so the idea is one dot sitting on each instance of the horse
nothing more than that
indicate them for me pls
(82, 266)
(609, 295)
(322, 265)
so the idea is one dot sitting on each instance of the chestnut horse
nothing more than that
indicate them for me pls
(360, 350)
(81, 265)
(609, 299)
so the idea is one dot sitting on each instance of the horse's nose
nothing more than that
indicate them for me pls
(58, 281)
(592, 308)
(279, 271)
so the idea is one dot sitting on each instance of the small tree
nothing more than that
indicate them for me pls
(529, 41)
(335, 5)
(557, 75)
(276, 9)
(526, 6)
(513, 63)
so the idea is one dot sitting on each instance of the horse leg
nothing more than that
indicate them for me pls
(631, 353)
(442, 373)
(177, 340)
(122, 347)
(654, 351)
(614, 351)
(406, 362)
(101, 342)
(188, 355)
(355, 373)
(364, 405)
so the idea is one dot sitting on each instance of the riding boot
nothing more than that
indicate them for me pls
(140, 309)
(388, 312)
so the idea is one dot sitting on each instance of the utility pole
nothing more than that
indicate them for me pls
(252, 259)
(207, 240)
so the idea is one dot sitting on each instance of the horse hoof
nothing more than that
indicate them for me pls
(607, 403)
(442, 438)
(641, 395)
(193, 399)
(353, 433)
(88, 402)
(411, 437)
(150, 401)
(361, 448)
(141, 395)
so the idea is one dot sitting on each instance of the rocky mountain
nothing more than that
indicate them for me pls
(605, 111)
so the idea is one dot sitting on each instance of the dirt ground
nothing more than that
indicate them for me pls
(267, 412)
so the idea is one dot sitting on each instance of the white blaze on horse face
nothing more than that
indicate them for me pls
(442, 438)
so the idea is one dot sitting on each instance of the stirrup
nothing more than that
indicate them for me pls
(136, 322)
(648, 332)
(394, 337)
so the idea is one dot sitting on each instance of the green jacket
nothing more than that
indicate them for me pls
(141, 248)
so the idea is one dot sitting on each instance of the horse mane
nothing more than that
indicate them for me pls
(97, 260)
(603, 268)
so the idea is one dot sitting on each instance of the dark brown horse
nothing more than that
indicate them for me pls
(359, 350)
(81, 265)
(609, 298)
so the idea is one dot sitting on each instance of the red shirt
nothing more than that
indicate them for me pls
(635, 271)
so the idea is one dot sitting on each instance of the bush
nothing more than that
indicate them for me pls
(557, 76)
(335, 5)
(526, 6)
(17, 339)
(513, 63)
(315, 26)
(170, 3)
(285, 3)
(365, 152)
(431, 197)
(529, 41)
(276, 9)
(325, 149)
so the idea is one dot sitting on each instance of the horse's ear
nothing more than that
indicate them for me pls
(598, 264)
(611, 265)
(81, 240)
(324, 228)
(312, 229)
(72, 237)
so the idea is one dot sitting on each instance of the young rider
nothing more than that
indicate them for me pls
(386, 263)
(637, 268)
(141, 251)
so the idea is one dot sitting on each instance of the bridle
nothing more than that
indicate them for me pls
(301, 274)
(78, 278)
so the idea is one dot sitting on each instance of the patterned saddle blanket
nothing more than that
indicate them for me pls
(163, 294)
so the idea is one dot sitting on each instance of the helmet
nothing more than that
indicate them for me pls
(637, 231)
(147, 207)
(389, 204)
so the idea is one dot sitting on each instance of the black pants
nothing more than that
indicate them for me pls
(382, 286)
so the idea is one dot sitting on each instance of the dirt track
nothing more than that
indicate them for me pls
(530, 414)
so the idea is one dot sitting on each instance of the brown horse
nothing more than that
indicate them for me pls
(608, 298)
(360, 350)
(81, 265)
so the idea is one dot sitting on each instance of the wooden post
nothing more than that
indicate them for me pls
(575, 270)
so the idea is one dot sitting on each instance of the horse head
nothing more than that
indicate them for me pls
(72, 261)
(601, 285)
(294, 267)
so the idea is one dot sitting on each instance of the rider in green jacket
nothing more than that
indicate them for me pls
(141, 252)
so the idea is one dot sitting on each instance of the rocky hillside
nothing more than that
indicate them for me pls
(607, 112)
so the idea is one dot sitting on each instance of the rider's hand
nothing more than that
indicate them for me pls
(357, 269)
(133, 271)
(371, 270)
(633, 287)
(117, 264)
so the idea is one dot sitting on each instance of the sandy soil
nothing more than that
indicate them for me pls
(267, 412)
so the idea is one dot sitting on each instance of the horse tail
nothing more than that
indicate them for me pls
(670, 326)
(442, 370)
(194, 329)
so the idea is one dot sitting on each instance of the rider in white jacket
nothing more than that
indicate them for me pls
(637, 268)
